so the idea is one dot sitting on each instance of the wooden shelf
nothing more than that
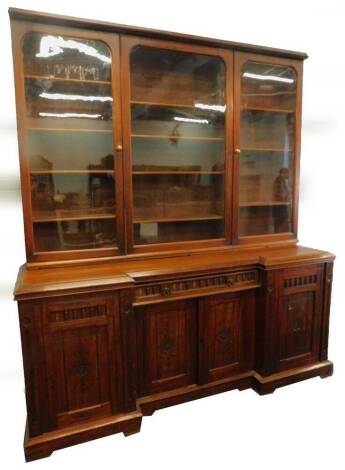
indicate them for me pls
(174, 137)
(165, 105)
(70, 172)
(267, 110)
(61, 129)
(182, 172)
(54, 218)
(61, 79)
(178, 219)
(264, 149)
(264, 203)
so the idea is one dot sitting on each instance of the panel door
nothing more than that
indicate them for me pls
(177, 136)
(167, 345)
(82, 344)
(69, 123)
(299, 317)
(267, 121)
(226, 338)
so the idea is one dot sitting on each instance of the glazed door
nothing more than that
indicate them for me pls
(226, 335)
(166, 345)
(267, 103)
(69, 125)
(177, 137)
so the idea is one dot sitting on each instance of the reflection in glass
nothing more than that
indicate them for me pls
(70, 142)
(178, 119)
(74, 234)
(72, 195)
(178, 231)
(177, 196)
(268, 98)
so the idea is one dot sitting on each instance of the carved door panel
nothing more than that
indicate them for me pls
(166, 353)
(82, 354)
(226, 339)
(299, 317)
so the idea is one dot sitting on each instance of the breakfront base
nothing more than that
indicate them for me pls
(44, 445)
(129, 423)
(267, 385)
(251, 379)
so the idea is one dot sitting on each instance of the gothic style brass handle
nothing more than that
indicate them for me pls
(127, 311)
(165, 291)
(26, 321)
(119, 148)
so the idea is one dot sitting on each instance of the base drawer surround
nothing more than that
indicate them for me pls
(196, 286)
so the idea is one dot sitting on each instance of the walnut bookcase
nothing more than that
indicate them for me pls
(160, 177)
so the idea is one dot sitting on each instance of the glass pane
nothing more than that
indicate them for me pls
(178, 118)
(70, 142)
(177, 231)
(268, 99)
(176, 196)
(73, 195)
(74, 235)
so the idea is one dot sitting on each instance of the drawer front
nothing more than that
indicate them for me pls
(196, 286)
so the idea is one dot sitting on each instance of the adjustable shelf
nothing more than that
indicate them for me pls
(195, 106)
(63, 79)
(177, 219)
(267, 110)
(264, 203)
(174, 137)
(74, 217)
(71, 172)
(182, 172)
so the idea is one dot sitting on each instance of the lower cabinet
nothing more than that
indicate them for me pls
(299, 320)
(226, 335)
(74, 360)
(194, 341)
(167, 340)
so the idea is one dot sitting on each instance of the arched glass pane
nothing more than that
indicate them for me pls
(178, 119)
(268, 101)
(70, 142)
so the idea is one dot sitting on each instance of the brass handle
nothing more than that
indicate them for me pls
(237, 151)
(165, 291)
(119, 148)
(230, 282)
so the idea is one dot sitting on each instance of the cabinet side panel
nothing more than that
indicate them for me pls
(327, 292)
(129, 351)
(265, 324)
(34, 366)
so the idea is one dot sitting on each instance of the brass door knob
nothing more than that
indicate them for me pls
(237, 151)
(165, 291)
(230, 282)
(119, 148)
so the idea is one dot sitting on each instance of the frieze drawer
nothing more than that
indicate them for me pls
(196, 286)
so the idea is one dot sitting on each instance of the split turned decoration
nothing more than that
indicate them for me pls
(160, 177)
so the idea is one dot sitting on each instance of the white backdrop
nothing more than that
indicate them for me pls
(297, 425)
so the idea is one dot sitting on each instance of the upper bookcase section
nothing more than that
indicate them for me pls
(137, 141)
(105, 26)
